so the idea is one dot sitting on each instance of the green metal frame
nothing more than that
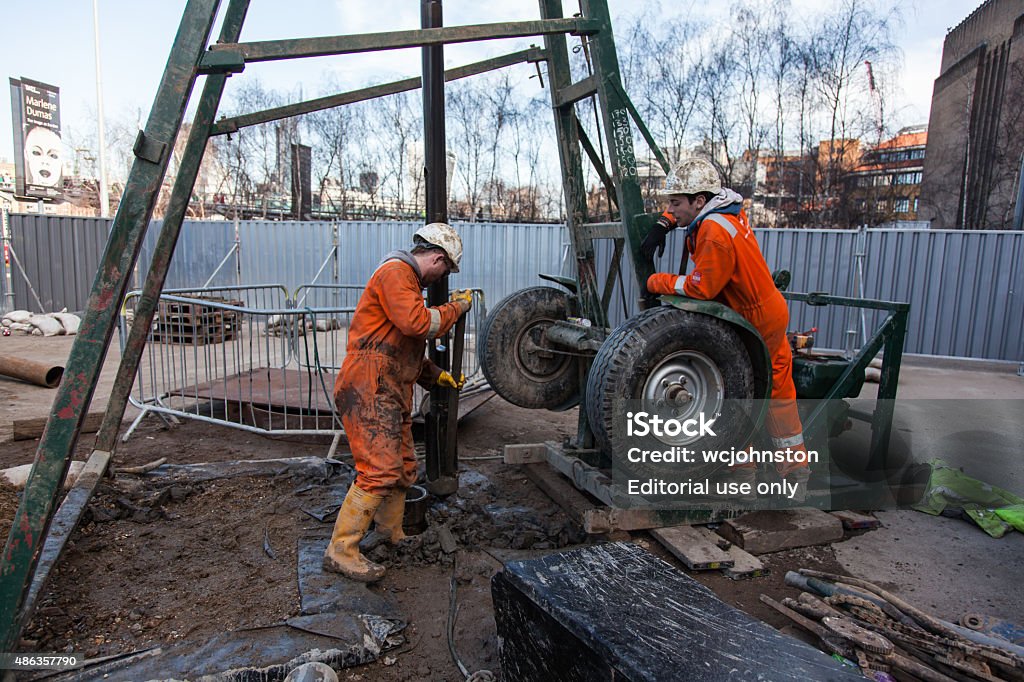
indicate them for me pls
(226, 126)
(889, 338)
(191, 55)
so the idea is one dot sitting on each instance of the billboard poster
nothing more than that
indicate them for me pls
(38, 150)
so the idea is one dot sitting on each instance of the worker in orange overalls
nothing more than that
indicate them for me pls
(373, 391)
(729, 268)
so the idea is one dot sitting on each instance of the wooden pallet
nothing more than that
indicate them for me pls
(197, 323)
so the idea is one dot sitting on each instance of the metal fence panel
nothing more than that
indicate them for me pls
(502, 258)
(965, 287)
(60, 256)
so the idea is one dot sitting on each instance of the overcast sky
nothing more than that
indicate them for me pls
(52, 42)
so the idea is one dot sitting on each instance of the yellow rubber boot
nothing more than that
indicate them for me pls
(354, 517)
(389, 516)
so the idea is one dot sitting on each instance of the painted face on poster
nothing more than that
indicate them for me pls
(44, 154)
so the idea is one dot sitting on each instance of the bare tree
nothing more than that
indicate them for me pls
(751, 35)
(663, 71)
(782, 67)
(396, 124)
(336, 136)
(849, 35)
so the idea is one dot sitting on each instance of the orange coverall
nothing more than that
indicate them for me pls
(385, 356)
(729, 268)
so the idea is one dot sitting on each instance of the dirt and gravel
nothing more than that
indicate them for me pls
(157, 561)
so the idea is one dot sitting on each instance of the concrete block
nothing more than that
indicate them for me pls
(762, 532)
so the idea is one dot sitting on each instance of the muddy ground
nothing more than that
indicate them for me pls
(156, 562)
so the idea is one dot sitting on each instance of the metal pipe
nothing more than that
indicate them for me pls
(271, 50)
(442, 478)
(100, 121)
(33, 372)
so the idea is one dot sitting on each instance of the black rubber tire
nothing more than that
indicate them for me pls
(524, 378)
(636, 348)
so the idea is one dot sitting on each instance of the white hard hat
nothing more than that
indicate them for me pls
(444, 236)
(692, 176)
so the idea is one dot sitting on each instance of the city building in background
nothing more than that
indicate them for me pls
(885, 188)
(975, 148)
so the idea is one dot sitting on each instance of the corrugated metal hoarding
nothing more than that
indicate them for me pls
(6, 301)
(60, 256)
(966, 288)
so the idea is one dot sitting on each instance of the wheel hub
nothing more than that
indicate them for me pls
(681, 387)
(534, 358)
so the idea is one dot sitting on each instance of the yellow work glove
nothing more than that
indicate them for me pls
(464, 297)
(447, 380)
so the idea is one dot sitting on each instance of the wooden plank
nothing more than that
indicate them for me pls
(26, 429)
(762, 532)
(855, 521)
(698, 550)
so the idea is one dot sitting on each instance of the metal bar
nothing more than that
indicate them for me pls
(571, 163)
(442, 477)
(163, 252)
(5, 238)
(860, 254)
(601, 230)
(614, 270)
(231, 125)
(272, 50)
(575, 193)
(820, 299)
(602, 172)
(223, 261)
(64, 523)
(332, 257)
(573, 93)
(615, 118)
(1018, 209)
(450, 455)
(881, 423)
(35, 513)
(17, 262)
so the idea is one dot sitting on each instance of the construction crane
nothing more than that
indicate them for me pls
(877, 99)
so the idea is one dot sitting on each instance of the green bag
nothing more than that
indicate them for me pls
(997, 511)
